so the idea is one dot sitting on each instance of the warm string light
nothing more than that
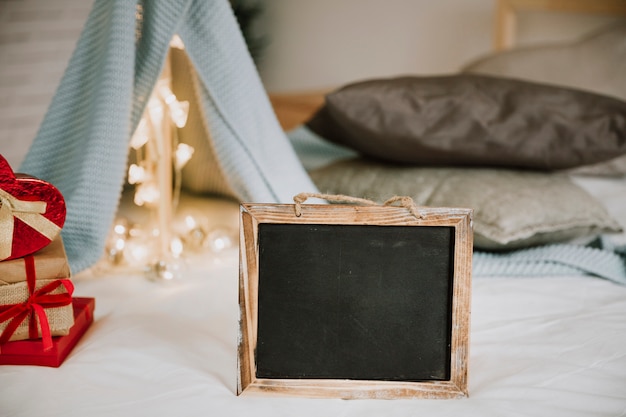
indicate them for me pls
(148, 143)
(183, 154)
(160, 249)
(134, 245)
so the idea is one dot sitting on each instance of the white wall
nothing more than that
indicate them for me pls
(37, 38)
(318, 44)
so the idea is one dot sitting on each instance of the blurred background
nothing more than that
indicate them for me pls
(326, 43)
(299, 45)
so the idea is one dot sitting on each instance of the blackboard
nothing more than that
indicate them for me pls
(349, 301)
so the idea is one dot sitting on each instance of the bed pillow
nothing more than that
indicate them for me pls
(595, 63)
(475, 120)
(512, 209)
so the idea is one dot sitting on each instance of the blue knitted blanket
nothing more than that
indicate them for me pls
(82, 144)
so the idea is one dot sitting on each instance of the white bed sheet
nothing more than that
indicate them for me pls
(539, 347)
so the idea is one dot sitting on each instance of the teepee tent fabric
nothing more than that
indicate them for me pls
(82, 144)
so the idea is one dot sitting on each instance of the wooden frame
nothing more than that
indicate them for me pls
(506, 14)
(253, 215)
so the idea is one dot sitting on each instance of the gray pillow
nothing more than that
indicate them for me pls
(512, 209)
(474, 120)
(595, 63)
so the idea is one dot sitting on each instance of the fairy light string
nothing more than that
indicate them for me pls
(158, 158)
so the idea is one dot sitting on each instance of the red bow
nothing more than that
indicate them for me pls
(38, 300)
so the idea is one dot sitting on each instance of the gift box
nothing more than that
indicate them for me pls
(32, 213)
(36, 296)
(29, 352)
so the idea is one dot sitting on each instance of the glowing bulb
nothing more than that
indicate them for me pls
(135, 231)
(116, 241)
(190, 222)
(146, 194)
(184, 153)
(166, 94)
(119, 229)
(165, 270)
(155, 107)
(167, 275)
(119, 244)
(220, 240)
(179, 112)
(176, 247)
(138, 252)
(141, 135)
(136, 174)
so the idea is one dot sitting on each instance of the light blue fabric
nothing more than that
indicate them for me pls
(554, 260)
(82, 144)
(315, 151)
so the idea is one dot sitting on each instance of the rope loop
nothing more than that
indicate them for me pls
(405, 201)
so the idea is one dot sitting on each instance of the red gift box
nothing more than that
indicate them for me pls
(31, 352)
(32, 213)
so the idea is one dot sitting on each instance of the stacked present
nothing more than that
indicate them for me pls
(37, 311)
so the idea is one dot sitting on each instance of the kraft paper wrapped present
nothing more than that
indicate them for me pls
(29, 352)
(36, 296)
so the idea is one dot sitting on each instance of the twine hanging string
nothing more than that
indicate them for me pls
(406, 202)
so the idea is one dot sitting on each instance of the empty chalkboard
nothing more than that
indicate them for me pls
(350, 301)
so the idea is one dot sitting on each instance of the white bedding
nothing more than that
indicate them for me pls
(539, 347)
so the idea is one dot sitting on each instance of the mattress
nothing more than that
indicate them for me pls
(539, 346)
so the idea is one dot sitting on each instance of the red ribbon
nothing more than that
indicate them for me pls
(38, 300)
